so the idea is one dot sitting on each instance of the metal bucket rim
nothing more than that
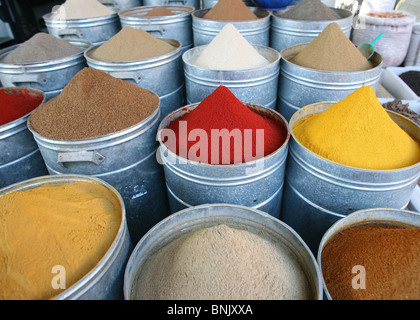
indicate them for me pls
(111, 16)
(156, 227)
(100, 139)
(276, 15)
(124, 15)
(145, 61)
(23, 119)
(340, 225)
(284, 123)
(256, 46)
(294, 120)
(43, 63)
(286, 60)
(68, 178)
(267, 14)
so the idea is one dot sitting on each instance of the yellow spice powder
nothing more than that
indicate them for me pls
(358, 132)
(70, 225)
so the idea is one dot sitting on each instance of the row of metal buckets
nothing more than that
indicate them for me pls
(115, 275)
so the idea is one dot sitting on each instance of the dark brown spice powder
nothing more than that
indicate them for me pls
(93, 104)
(389, 254)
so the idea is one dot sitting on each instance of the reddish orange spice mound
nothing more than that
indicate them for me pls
(15, 104)
(222, 110)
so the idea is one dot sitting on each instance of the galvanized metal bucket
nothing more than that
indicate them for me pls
(178, 26)
(400, 218)
(189, 3)
(105, 280)
(96, 30)
(257, 184)
(259, 85)
(234, 216)
(285, 33)
(318, 192)
(120, 5)
(20, 158)
(300, 86)
(255, 31)
(162, 74)
(50, 76)
(125, 159)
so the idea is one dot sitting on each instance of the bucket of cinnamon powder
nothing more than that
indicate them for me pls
(372, 254)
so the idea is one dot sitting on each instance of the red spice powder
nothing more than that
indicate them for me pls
(15, 104)
(222, 110)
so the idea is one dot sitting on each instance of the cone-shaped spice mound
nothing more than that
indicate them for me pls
(358, 132)
(223, 111)
(230, 10)
(331, 50)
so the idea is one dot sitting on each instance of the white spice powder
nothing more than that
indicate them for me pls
(229, 50)
(80, 9)
(221, 262)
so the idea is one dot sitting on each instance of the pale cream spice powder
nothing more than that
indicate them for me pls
(221, 262)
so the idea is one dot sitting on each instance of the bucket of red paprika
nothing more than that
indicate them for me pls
(20, 158)
(223, 150)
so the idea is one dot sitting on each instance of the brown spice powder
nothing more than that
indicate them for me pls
(93, 104)
(230, 10)
(389, 254)
(159, 12)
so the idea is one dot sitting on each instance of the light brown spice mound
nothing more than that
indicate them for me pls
(230, 10)
(159, 12)
(331, 50)
(131, 44)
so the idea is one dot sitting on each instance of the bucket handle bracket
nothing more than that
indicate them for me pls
(80, 156)
(67, 32)
(127, 75)
(30, 78)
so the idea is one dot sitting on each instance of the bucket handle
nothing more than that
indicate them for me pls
(184, 2)
(29, 78)
(127, 75)
(80, 156)
(155, 29)
(66, 32)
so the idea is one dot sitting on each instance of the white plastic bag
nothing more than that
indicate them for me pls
(393, 45)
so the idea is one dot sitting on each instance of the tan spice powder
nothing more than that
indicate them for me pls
(230, 10)
(159, 12)
(331, 50)
(131, 44)
(221, 262)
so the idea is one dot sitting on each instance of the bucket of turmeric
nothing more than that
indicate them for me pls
(372, 254)
(346, 156)
(64, 237)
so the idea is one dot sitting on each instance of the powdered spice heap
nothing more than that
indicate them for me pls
(131, 44)
(331, 50)
(221, 262)
(222, 110)
(80, 9)
(390, 256)
(93, 104)
(310, 10)
(229, 50)
(159, 12)
(15, 104)
(230, 10)
(41, 47)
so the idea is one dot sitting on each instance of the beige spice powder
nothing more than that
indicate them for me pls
(221, 262)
